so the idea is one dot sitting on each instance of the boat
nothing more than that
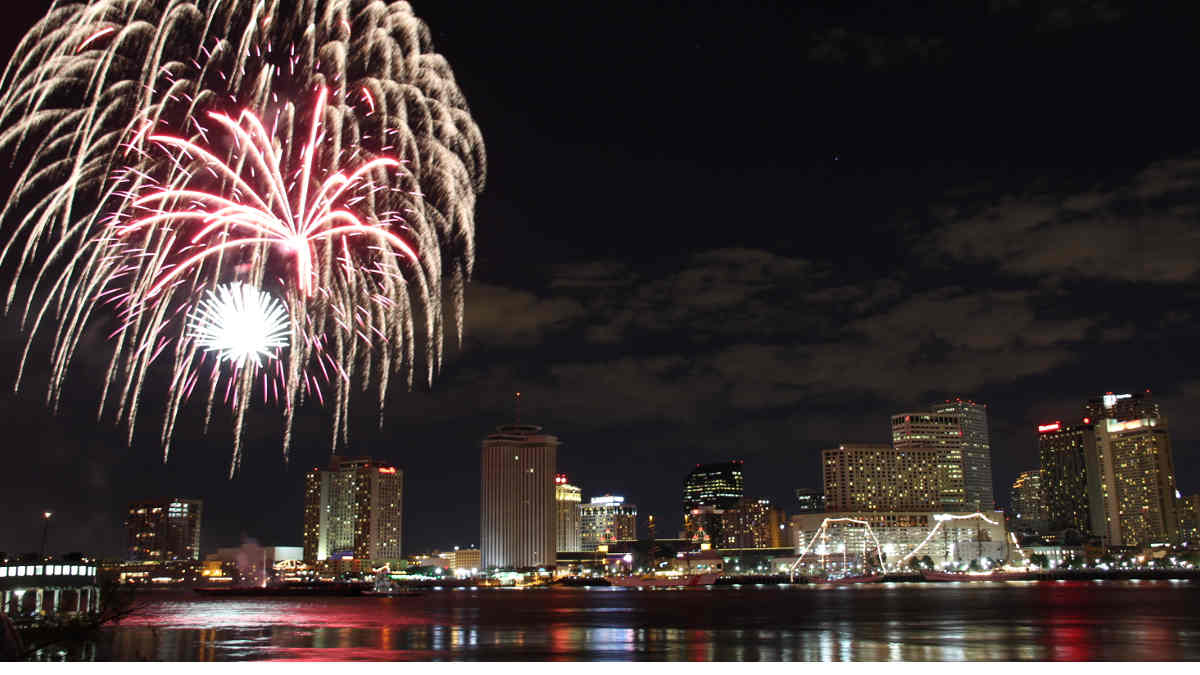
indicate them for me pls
(864, 579)
(663, 581)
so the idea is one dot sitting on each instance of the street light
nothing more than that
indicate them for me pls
(45, 529)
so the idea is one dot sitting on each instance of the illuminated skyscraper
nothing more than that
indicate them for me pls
(875, 477)
(717, 485)
(567, 498)
(753, 523)
(518, 511)
(353, 510)
(1121, 407)
(1070, 477)
(1028, 503)
(606, 520)
(167, 529)
(941, 434)
(1137, 482)
(976, 452)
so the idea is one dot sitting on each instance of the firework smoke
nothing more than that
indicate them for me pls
(316, 150)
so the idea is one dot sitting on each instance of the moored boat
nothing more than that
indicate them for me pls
(663, 581)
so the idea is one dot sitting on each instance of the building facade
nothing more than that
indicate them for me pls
(718, 485)
(1189, 518)
(1028, 502)
(939, 436)
(605, 521)
(1137, 482)
(1069, 477)
(567, 498)
(897, 537)
(167, 529)
(353, 511)
(976, 451)
(1121, 407)
(810, 500)
(876, 477)
(518, 511)
(753, 523)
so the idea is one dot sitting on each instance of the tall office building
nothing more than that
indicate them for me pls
(353, 510)
(753, 523)
(567, 498)
(1121, 407)
(1137, 482)
(518, 511)
(718, 485)
(976, 452)
(606, 520)
(941, 434)
(167, 529)
(1069, 477)
(810, 500)
(876, 477)
(1028, 503)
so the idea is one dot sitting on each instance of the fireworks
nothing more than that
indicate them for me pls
(316, 151)
(239, 323)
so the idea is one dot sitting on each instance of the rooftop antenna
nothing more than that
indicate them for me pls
(517, 406)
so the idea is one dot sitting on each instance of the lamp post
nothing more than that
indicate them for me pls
(45, 530)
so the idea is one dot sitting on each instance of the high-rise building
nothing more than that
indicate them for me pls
(876, 477)
(167, 529)
(976, 451)
(606, 520)
(1028, 503)
(518, 511)
(1189, 518)
(718, 485)
(567, 498)
(941, 434)
(352, 510)
(810, 500)
(1121, 407)
(1069, 477)
(1137, 482)
(753, 523)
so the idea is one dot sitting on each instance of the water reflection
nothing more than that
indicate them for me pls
(912, 622)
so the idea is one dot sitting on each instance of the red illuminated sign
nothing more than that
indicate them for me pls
(387, 469)
(1046, 428)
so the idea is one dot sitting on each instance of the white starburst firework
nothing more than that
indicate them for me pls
(240, 324)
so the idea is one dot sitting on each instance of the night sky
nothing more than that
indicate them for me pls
(736, 230)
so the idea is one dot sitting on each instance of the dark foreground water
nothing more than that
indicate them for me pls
(1157, 620)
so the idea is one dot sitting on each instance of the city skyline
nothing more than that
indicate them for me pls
(877, 262)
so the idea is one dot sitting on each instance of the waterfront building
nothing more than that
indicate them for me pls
(49, 587)
(810, 500)
(1189, 518)
(166, 529)
(1028, 502)
(1137, 482)
(466, 559)
(753, 523)
(353, 511)
(718, 485)
(567, 498)
(1069, 477)
(605, 521)
(876, 477)
(938, 436)
(518, 511)
(976, 451)
(845, 544)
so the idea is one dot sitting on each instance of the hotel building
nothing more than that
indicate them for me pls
(353, 511)
(876, 477)
(518, 510)
(1137, 482)
(936, 436)
(1028, 503)
(605, 521)
(163, 530)
(567, 498)
(976, 451)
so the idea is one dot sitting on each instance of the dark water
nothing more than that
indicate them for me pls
(982, 621)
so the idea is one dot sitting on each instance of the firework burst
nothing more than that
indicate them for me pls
(316, 151)
(240, 324)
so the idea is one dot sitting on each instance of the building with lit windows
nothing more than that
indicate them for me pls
(810, 500)
(876, 477)
(753, 523)
(718, 485)
(946, 538)
(1028, 504)
(1069, 477)
(162, 530)
(518, 510)
(939, 436)
(353, 511)
(1137, 482)
(976, 451)
(1189, 518)
(1121, 407)
(567, 498)
(605, 521)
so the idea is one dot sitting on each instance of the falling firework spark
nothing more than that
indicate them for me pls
(171, 147)
(240, 324)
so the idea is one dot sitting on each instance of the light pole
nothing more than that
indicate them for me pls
(45, 530)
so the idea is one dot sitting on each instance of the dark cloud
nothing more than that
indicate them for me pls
(876, 52)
